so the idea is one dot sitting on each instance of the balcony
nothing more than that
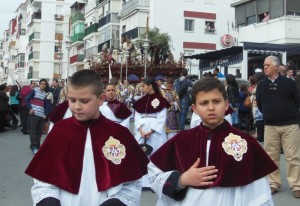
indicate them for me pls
(77, 37)
(78, 16)
(78, 58)
(33, 55)
(110, 18)
(91, 29)
(132, 5)
(110, 43)
(209, 31)
(91, 52)
(134, 33)
(35, 16)
(34, 36)
(269, 32)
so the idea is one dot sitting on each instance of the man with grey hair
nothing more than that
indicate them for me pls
(278, 99)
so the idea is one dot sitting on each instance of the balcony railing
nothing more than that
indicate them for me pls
(78, 16)
(77, 58)
(110, 43)
(91, 52)
(111, 17)
(134, 33)
(99, 2)
(34, 55)
(36, 15)
(91, 29)
(34, 35)
(133, 4)
(77, 37)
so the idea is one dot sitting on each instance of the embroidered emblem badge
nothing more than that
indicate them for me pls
(236, 146)
(155, 102)
(113, 150)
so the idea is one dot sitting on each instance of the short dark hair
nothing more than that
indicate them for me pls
(55, 80)
(184, 72)
(43, 80)
(85, 78)
(109, 84)
(206, 85)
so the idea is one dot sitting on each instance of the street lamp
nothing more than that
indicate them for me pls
(68, 47)
(126, 58)
(60, 56)
(146, 46)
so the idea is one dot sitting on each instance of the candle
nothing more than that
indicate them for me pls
(147, 25)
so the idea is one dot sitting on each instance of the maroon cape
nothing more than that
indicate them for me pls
(144, 106)
(59, 161)
(58, 112)
(181, 152)
(119, 109)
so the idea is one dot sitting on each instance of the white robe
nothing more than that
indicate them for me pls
(129, 193)
(106, 111)
(156, 122)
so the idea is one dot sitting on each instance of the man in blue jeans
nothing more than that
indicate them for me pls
(182, 86)
(35, 105)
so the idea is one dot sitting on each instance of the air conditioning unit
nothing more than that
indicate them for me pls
(57, 16)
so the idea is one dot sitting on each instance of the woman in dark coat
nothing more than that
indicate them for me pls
(4, 107)
(233, 98)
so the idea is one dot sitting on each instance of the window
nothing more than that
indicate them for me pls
(188, 25)
(209, 27)
(21, 60)
(56, 68)
(56, 47)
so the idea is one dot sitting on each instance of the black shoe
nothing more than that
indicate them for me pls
(25, 133)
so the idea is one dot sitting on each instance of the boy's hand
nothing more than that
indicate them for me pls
(198, 176)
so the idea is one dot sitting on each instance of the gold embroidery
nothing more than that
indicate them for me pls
(113, 150)
(236, 146)
(155, 102)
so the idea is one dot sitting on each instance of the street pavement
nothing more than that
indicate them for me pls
(15, 185)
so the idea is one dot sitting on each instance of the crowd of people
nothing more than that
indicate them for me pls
(182, 163)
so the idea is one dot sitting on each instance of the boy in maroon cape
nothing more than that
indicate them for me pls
(213, 163)
(87, 159)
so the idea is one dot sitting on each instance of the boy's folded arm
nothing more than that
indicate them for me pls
(172, 187)
(44, 194)
(166, 183)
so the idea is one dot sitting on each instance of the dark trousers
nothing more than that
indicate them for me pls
(36, 130)
(2, 119)
(244, 118)
(260, 129)
(25, 119)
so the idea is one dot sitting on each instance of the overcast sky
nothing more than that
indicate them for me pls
(7, 12)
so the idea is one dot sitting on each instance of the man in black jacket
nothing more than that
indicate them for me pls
(278, 99)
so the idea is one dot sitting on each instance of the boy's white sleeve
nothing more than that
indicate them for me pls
(41, 190)
(129, 194)
(138, 120)
(165, 185)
